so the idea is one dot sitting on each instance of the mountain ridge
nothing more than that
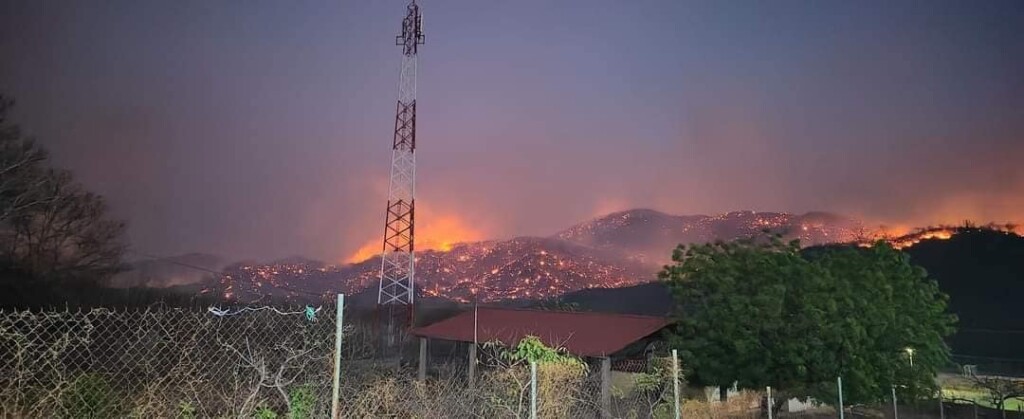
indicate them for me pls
(619, 249)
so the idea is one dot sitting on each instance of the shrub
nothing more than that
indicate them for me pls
(90, 396)
(264, 412)
(186, 410)
(301, 402)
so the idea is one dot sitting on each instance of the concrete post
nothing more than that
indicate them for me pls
(895, 410)
(422, 374)
(339, 320)
(606, 389)
(675, 383)
(472, 365)
(839, 383)
(533, 390)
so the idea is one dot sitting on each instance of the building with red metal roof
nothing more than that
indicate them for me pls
(579, 333)
(585, 334)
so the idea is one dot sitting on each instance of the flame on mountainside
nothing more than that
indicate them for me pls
(941, 233)
(620, 249)
(904, 238)
(436, 233)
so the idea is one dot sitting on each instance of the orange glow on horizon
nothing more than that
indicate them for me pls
(436, 233)
(887, 232)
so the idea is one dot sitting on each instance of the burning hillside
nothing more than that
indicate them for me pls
(620, 249)
(940, 233)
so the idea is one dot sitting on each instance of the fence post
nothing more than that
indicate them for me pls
(472, 365)
(421, 373)
(338, 331)
(839, 382)
(675, 382)
(606, 389)
(769, 402)
(533, 390)
(942, 409)
(895, 411)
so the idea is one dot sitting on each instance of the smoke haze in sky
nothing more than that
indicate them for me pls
(262, 129)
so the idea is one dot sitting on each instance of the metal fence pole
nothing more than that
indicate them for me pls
(675, 381)
(942, 409)
(895, 411)
(839, 382)
(533, 390)
(338, 329)
(769, 402)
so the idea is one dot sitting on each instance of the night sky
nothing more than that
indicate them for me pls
(262, 129)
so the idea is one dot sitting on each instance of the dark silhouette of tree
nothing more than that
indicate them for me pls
(999, 389)
(20, 168)
(51, 228)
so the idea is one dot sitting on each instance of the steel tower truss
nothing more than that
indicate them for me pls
(398, 259)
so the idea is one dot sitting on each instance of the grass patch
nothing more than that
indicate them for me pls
(980, 397)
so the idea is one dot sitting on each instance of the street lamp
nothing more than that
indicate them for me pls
(910, 353)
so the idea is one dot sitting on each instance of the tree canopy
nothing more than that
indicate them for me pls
(759, 313)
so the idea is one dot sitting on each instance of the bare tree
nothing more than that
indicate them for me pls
(50, 226)
(20, 167)
(68, 236)
(1000, 389)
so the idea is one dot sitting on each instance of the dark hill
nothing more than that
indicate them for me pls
(650, 299)
(982, 271)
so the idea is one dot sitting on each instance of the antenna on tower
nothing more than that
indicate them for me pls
(398, 260)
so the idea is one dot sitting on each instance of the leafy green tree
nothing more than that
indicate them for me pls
(894, 322)
(743, 309)
(759, 313)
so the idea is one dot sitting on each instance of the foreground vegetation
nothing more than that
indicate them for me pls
(759, 313)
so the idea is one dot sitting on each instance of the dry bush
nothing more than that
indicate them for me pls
(499, 393)
(161, 363)
(389, 392)
(743, 405)
(158, 363)
(505, 391)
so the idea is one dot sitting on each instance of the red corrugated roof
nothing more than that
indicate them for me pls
(580, 333)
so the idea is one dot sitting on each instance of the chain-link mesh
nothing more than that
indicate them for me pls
(163, 363)
(190, 363)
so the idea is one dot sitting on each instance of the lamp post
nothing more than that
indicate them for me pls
(910, 354)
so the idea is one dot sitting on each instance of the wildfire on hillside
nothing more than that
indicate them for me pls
(539, 268)
(907, 239)
(437, 233)
(910, 240)
(469, 272)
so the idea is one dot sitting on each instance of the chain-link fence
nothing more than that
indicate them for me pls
(276, 362)
(163, 363)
